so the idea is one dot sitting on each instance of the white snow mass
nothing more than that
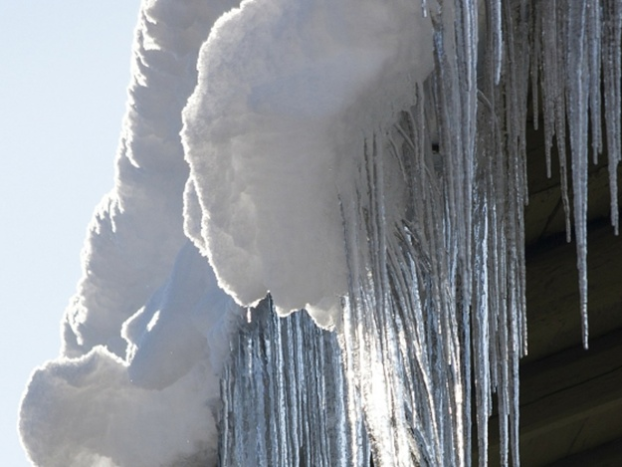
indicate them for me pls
(288, 93)
(156, 406)
(137, 383)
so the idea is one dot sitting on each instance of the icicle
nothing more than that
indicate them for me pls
(553, 65)
(612, 71)
(436, 300)
(593, 39)
(536, 39)
(284, 397)
(494, 44)
(578, 93)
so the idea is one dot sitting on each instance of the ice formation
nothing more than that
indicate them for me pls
(364, 160)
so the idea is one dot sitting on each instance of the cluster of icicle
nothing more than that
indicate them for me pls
(437, 324)
(307, 414)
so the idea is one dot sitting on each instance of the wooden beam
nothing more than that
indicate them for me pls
(571, 386)
(544, 216)
(570, 401)
(553, 316)
(606, 455)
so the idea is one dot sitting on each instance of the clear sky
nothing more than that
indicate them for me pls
(64, 71)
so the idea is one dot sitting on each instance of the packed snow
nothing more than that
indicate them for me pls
(361, 159)
(120, 410)
(288, 93)
(145, 331)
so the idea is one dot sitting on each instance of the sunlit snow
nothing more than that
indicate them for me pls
(287, 93)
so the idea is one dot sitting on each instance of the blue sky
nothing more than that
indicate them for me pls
(64, 70)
